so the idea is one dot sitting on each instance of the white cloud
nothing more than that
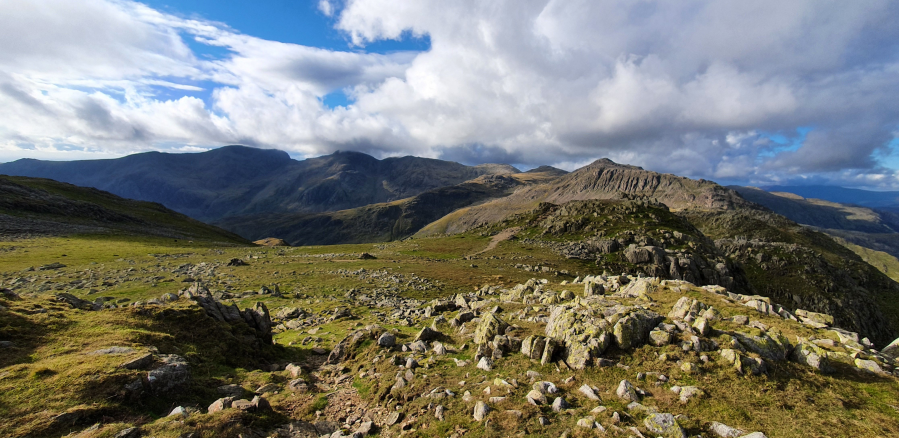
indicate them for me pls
(693, 87)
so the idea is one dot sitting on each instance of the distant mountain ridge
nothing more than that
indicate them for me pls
(865, 198)
(239, 180)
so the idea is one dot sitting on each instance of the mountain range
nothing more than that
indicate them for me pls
(238, 180)
(754, 243)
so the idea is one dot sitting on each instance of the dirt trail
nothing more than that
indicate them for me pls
(506, 234)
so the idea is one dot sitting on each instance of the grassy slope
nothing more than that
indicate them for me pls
(52, 201)
(50, 373)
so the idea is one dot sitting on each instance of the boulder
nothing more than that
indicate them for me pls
(627, 392)
(480, 411)
(490, 326)
(173, 376)
(819, 320)
(428, 334)
(559, 404)
(892, 350)
(532, 347)
(868, 365)
(661, 424)
(220, 404)
(659, 338)
(588, 392)
(811, 355)
(387, 340)
(771, 346)
(724, 431)
(536, 398)
(76, 303)
(633, 329)
(139, 363)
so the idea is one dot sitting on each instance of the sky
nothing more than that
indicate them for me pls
(761, 93)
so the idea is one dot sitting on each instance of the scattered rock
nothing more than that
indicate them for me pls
(588, 392)
(387, 340)
(724, 431)
(536, 398)
(220, 404)
(626, 391)
(664, 425)
(480, 411)
(490, 326)
(559, 404)
(237, 262)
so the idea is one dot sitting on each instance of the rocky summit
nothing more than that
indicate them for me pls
(608, 301)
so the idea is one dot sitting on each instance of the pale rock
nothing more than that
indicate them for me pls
(536, 398)
(663, 424)
(480, 411)
(587, 391)
(724, 431)
(626, 391)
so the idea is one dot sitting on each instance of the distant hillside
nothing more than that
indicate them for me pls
(866, 198)
(822, 213)
(37, 207)
(603, 179)
(871, 228)
(238, 180)
(372, 223)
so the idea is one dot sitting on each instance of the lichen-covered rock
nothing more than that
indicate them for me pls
(772, 345)
(626, 391)
(549, 351)
(532, 347)
(536, 398)
(743, 364)
(702, 326)
(578, 355)
(640, 288)
(815, 319)
(633, 329)
(662, 424)
(485, 364)
(724, 431)
(659, 338)
(490, 326)
(868, 365)
(685, 307)
(811, 355)
(345, 349)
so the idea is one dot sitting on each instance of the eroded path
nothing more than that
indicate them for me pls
(506, 234)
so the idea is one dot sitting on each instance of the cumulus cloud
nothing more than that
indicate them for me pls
(700, 88)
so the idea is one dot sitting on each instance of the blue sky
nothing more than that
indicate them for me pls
(761, 93)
